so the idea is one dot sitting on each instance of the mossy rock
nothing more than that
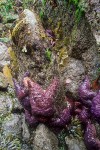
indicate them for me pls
(29, 32)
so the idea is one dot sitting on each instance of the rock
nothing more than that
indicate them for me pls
(12, 125)
(30, 44)
(3, 82)
(45, 139)
(8, 102)
(16, 106)
(74, 72)
(4, 56)
(25, 130)
(25, 147)
(10, 132)
(74, 144)
(97, 125)
(79, 41)
(91, 61)
(92, 13)
(3, 106)
(29, 32)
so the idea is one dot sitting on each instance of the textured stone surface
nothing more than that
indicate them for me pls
(6, 104)
(12, 125)
(91, 61)
(93, 16)
(74, 72)
(44, 139)
(3, 81)
(25, 130)
(97, 129)
(31, 40)
(74, 144)
(4, 56)
(29, 29)
(81, 39)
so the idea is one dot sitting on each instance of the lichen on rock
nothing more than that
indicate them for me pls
(29, 31)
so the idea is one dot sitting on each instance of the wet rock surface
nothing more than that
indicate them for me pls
(74, 144)
(6, 104)
(45, 139)
(3, 82)
(12, 125)
(25, 129)
(4, 56)
(79, 41)
(92, 13)
(91, 61)
(30, 26)
(30, 39)
(78, 46)
(74, 72)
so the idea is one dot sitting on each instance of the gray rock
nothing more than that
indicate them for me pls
(91, 61)
(3, 81)
(92, 13)
(79, 41)
(3, 107)
(97, 125)
(15, 102)
(74, 144)
(12, 125)
(25, 130)
(29, 39)
(6, 104)
(25, 147)
(4, 56)
(74, 72)
(31, 34)
(44, 139)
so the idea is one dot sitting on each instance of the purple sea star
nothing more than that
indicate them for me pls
(91, 110)
(92, 143)
(95, 107)
(39, 104)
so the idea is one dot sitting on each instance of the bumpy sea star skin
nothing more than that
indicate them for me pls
(84, 115)
(21, 91)
(63, 119)
(95, 108)
(39, 104)
(91, 109)
(32, 121)
(92, 143)
(22, 94)
(90, 99)
(42, 102)
(85, 91)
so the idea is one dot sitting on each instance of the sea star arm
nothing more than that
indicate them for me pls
(92, 143)
(95, 108)
(63, 119)
(84, 90)
(84, 115)
(32, 121)
(51, 90)
(20, 91)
